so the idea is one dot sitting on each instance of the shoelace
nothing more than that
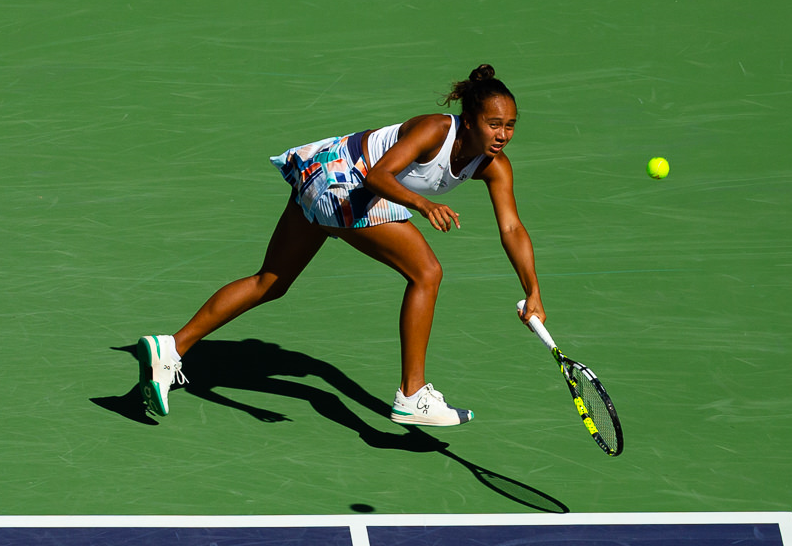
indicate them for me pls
(430, 390)
(178, 374)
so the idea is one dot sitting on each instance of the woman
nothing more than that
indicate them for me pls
(358, 188)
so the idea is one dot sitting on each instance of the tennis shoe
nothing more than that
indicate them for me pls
(427, 408)
(158, 371)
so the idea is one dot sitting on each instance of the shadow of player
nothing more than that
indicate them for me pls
(258, 366)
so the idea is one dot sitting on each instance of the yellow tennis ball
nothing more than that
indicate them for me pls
(657, 167)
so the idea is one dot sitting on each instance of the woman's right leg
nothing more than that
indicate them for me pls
(294, 243)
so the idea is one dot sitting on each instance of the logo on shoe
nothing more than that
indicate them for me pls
(423, 405)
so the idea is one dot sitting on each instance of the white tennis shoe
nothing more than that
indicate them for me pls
(427, 408)
(158, 371)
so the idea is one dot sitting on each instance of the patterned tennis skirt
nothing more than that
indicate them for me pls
(327, 177)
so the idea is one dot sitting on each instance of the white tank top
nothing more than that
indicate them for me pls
(433, 178)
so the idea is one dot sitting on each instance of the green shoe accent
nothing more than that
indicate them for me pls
(144, 361)
(148, 387)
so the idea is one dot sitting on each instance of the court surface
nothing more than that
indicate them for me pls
(670, 529)
(135, 182)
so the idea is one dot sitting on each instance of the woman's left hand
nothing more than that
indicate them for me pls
(533, 307)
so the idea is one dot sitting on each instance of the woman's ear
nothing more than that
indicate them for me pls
(463, 117)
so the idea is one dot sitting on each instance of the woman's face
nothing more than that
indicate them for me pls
(493, 126)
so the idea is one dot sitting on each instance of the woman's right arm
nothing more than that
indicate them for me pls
(420, 140)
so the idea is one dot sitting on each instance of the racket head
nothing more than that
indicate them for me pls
(594, 406)
(592, 401)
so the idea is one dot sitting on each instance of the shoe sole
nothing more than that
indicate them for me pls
(148, 387)
(410, 419)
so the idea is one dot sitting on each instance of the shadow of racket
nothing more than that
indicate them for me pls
(256, 364)
(510, 488)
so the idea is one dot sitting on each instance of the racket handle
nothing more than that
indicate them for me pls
(538, 328)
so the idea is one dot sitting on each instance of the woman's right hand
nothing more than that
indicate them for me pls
(442, 217)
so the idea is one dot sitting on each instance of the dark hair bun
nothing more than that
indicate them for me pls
(480, 85)
(482, 73)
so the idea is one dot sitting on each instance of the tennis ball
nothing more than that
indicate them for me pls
(657, 167)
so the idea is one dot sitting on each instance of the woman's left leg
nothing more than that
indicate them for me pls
(402, 247)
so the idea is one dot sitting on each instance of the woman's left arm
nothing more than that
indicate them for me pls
(514, 237)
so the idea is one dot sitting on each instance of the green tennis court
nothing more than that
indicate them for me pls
(135, 182)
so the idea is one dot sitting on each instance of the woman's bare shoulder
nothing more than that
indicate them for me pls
(427, 122)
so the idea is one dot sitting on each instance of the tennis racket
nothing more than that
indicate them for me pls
(591, 399)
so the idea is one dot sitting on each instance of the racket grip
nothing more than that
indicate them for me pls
(538, 328)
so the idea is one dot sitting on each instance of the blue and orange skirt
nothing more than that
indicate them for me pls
(327, 177)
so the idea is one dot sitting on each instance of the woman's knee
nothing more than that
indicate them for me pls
(429, 274)
(268, 287)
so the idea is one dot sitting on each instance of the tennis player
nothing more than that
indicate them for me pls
(360, 188)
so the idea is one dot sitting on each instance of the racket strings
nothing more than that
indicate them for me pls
(598, 410)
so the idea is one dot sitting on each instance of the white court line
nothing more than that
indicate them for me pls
(359, 534)
(358, 524)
